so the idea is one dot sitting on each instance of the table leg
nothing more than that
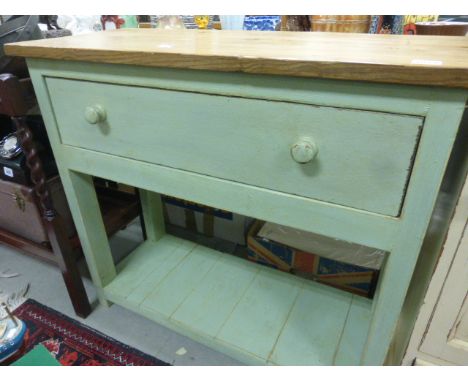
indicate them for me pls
(84, 206)
(59, 240)
(151, 205)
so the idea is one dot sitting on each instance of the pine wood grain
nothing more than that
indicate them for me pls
(423, 60)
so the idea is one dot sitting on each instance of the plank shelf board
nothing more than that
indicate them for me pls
(253, 313)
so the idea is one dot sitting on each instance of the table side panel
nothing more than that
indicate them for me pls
(439, 133)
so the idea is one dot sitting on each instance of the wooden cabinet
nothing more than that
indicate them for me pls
(258, 124)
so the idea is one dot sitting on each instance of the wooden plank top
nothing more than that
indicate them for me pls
(421, 60)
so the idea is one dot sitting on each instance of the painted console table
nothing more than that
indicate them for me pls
(319, 131)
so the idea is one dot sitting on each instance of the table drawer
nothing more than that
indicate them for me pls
(355, 158)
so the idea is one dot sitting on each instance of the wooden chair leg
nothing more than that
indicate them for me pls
(59, 240)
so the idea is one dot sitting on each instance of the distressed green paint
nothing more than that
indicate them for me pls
(341, 222)
(264, 309)
(346, 94)
(247, 141)
(366, 328)
(308, 325)
(213, 298)
(436, 142)
(152, 277)
(142, 272)
(85, 208)
(166, 297)
(354, 333)
(433, 245)
(237, 306)
(152, 209)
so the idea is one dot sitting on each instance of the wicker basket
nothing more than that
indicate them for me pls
(340, 23)
(442, 28)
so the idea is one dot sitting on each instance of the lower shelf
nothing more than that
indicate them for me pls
(252, 313)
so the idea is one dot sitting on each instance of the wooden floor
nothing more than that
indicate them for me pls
(253, 313)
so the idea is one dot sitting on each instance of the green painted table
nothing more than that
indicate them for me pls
(321, 132)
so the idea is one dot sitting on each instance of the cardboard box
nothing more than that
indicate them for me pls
(211, 222)
(339, 274)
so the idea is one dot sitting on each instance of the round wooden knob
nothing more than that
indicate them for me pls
(304, 151)
(95, 114)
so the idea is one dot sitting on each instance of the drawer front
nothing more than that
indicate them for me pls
(354, 158)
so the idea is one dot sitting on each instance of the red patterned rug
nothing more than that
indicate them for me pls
(74, 344)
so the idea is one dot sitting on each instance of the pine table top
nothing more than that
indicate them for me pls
(402, 59)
